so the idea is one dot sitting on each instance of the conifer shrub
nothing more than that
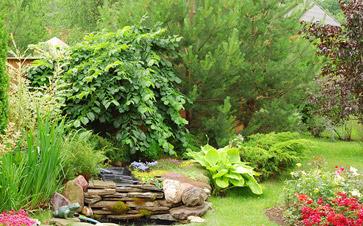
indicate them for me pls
(272, 154)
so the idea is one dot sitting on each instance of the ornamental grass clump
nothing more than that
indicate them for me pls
(30, 177)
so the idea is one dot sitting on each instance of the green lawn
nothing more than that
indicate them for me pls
(243, 208)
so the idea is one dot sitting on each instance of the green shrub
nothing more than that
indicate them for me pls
(81, 155)
(273, 153)
(30, 177)
(122, 84)
(226, 169)
(4, 83)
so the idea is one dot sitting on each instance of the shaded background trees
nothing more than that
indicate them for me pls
(341, 79)
(247, 51)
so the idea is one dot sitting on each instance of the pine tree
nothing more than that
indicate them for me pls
(3, 79)
(248, 50)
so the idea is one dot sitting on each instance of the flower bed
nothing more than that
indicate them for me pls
(19, 218)
(325, 198)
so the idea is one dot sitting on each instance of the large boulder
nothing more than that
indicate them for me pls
(183, 212)
(58, 201)
(81, 181)
(74, 193)
(172, 191)
(194, 196)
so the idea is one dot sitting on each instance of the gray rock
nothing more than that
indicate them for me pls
(106, 224)
(74, 193)
(125, 216)
(183, 212)
(163, 217)
(90, 199)
(63, 222)
(147, 195)
(194, 196)
(106, 191)
(58, 201)
(101, 184)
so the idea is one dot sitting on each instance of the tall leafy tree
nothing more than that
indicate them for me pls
(341, 80)
(3, 79)
(247, 50)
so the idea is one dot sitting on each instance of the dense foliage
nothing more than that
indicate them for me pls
(341, 81)
(271, 154)
(3, 79)
(318, 197)
(266, 75)
(247, 50)
(226, 169)
(123, 84)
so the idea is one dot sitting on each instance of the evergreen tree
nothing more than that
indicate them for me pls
(26, 20)
(3, 79)
(248, 50)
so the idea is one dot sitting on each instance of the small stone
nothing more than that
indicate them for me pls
(101, 184)
(90, 199)
(196, 219)
(101, 192)
(102, 212)
(58, 201)
(172, 191)
(194, 196)
(163, 217)
(183, 212)
(74, 193)
(104, 204)
(166, 203)
(107, 224)
(116, 195)
(81, 224)
(81, 181)
(87, 211)
(128, 189)
(63, 222)
(125, 216)
(147, 195)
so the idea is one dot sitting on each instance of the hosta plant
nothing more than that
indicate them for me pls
(226, 169)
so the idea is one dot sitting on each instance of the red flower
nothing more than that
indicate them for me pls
(302, 197)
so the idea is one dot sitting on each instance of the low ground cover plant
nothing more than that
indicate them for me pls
(273, 153)
(16, 218)
(226, 169)
(319, 197)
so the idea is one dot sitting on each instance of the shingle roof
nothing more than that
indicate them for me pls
(317, 14)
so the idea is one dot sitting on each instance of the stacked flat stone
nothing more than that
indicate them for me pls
(113, 201)
(138, 200)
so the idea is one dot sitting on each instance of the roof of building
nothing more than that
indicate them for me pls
(319, 15)
(56, 42)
